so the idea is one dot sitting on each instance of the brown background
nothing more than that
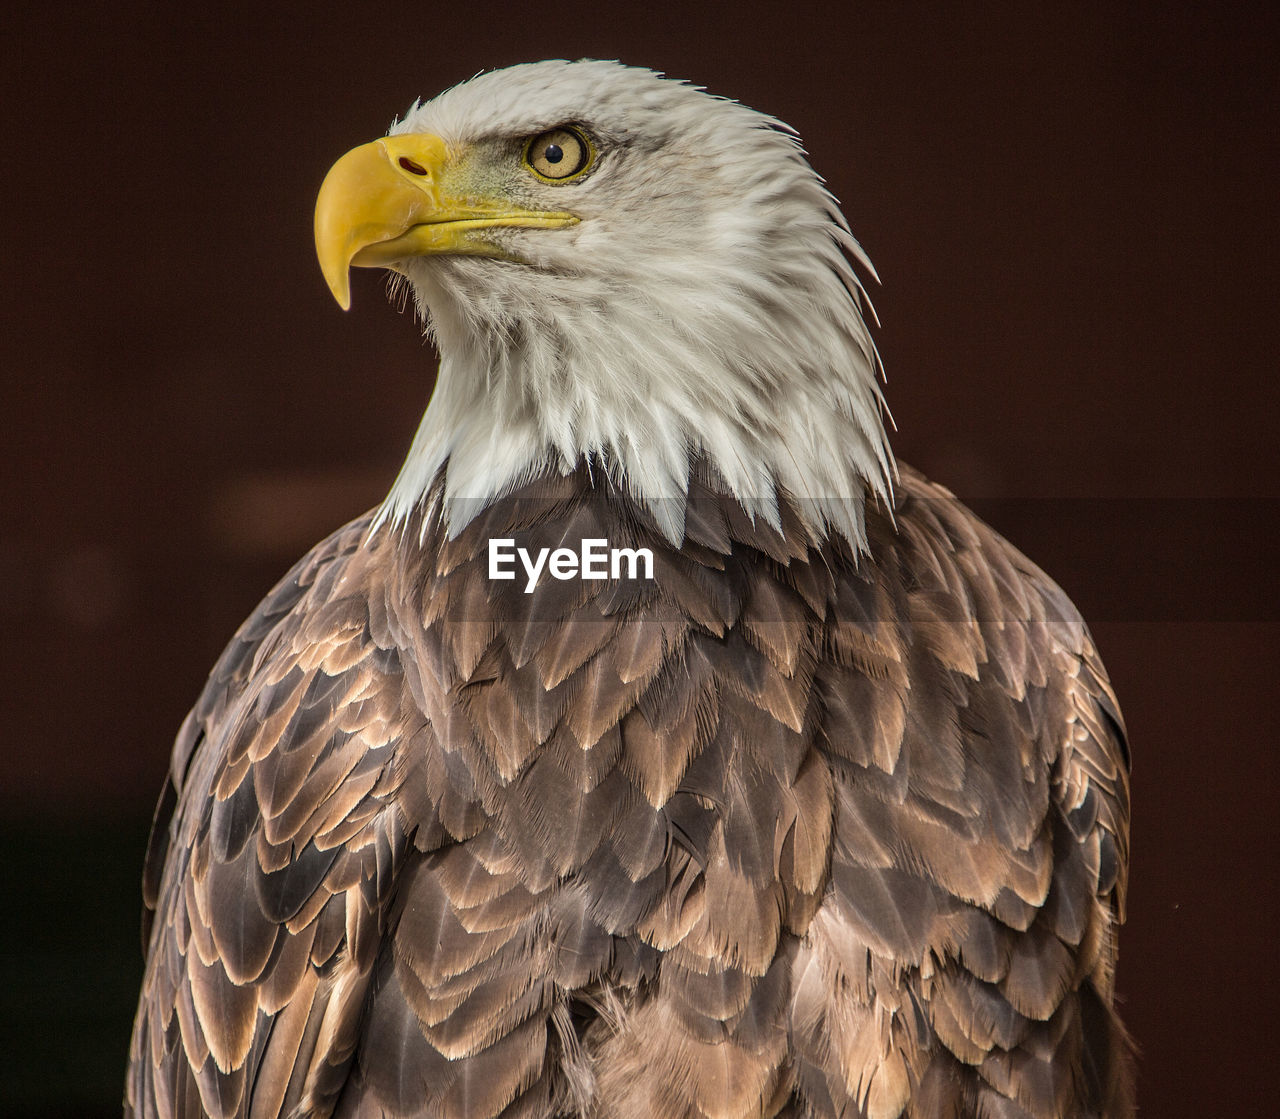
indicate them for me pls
(1072, 207)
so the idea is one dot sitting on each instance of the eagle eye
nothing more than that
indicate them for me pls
(558, 154)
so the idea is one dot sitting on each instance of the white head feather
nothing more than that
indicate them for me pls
(705, 304)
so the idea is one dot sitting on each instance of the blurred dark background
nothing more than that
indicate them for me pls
(1073, 210)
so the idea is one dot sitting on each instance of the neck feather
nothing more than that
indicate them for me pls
(779, 395)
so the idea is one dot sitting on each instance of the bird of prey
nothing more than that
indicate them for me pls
(659, 747)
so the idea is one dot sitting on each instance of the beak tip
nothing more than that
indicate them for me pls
(339, 285)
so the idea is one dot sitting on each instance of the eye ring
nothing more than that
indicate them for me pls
(559, 154)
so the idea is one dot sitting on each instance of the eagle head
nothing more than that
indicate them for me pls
(622, 270)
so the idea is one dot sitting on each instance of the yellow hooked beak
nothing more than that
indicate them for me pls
(382, 203)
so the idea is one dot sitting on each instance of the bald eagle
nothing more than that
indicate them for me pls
(815, 804)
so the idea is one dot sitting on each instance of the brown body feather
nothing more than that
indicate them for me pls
(786, 831)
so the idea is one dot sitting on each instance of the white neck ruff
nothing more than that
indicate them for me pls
(517, 398)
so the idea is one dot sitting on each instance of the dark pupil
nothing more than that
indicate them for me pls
(553, 153)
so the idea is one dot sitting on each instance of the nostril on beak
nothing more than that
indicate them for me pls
(413, 168)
